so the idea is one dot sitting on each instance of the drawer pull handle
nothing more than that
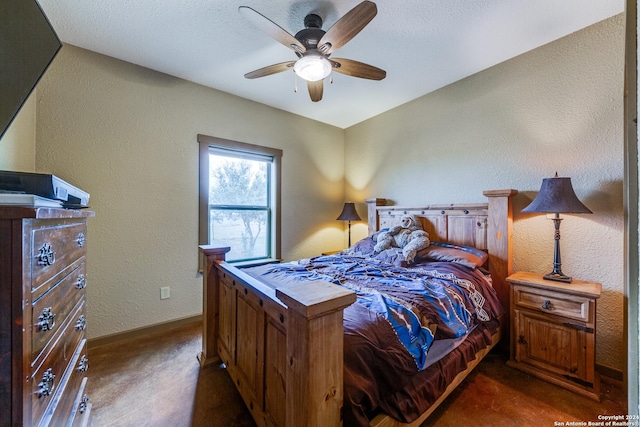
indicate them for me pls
(81, 323)
(81, 239)
(47, 320)
(83, 364)
(81, 283)
(47, 384)
(546, 305)
(84, 403)
(521, 340)
(46, 255)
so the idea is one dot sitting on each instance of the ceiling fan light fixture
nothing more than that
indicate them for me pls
(312, 67)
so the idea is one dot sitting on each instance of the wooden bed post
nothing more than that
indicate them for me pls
(499, 233)
(315, 351)
(210, 303)
(372, 214)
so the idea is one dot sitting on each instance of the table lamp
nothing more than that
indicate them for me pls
(349, 214)
(556, 196)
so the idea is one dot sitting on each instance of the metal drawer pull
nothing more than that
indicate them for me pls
(546, 305)
(47, 384)
(83, 364)
(81, 239)
(81, 323)
(46, 255)
(81, 283)
(84, 402)
(522, 340)
(47, 320)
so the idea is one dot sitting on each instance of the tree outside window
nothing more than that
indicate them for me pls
(239, 206)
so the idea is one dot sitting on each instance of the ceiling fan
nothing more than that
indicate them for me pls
(313, 46)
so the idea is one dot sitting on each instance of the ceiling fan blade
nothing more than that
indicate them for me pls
(272, 29)
(357, 69)
(347, 27)
(315, 90)
(270, 69)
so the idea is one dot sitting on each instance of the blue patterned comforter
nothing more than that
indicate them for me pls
(421, 303)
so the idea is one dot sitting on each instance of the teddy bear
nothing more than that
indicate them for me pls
(409, 236)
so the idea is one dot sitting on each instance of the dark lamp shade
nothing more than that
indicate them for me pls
(556, 196)
(349, 213)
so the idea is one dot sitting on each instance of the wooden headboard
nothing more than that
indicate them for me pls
(461, 224)
(486, 226)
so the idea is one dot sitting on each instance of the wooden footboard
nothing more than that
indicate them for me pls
(283, 348)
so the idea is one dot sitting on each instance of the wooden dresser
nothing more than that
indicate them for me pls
(43, 354)
(553, 331)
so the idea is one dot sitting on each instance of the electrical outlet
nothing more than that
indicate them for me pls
(165, 292)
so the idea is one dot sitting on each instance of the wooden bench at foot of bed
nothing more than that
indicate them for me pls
(283, 347)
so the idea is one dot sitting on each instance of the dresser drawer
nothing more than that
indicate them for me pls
(75, 380)
(48, 380)
(50, 312)
(55, 249)
(82, 408)
(559, 304)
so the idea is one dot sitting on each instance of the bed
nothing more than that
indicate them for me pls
(287, 333)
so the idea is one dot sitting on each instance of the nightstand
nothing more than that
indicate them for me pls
(330, 252)
(553, 329)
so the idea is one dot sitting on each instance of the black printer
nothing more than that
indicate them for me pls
(43, 185)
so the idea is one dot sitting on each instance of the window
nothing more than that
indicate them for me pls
(240, 198)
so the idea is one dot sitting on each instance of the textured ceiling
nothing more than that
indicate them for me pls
(422, 44)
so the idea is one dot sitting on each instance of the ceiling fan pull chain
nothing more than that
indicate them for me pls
(295, 83)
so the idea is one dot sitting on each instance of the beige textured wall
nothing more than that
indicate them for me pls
(557, 108)
(127, 135)
(18, 144)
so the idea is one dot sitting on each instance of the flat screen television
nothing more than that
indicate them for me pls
(28, 44)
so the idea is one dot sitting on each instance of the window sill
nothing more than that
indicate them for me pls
(251, 263)
(254, 263)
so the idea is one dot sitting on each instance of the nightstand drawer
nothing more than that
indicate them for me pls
(559, 304)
